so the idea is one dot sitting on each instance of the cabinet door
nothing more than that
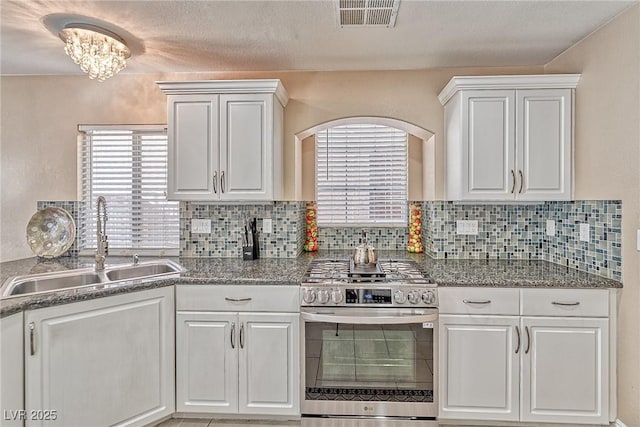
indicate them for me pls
(207, 362)
(479, 367)
(488, 133)
(246, 147)
(12, 368)
(269, 363)
(544, 144)
(565, 370)
(193, 135)
(104, 362)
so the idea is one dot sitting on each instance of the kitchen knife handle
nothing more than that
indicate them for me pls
(215, 182)
(521, 181)
(32, 338)
(233, 335)
(513, 181)
(222, 181)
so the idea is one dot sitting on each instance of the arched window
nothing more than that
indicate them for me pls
(361, 175)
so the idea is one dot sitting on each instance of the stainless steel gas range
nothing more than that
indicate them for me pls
(370, 340)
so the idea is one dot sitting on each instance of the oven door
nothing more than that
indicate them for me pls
(369, 362)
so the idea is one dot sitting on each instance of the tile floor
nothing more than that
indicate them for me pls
(178, 422)
(325, 423)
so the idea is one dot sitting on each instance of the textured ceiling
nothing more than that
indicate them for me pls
(238, 35)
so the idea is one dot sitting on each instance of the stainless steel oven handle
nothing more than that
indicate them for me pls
(370, 320)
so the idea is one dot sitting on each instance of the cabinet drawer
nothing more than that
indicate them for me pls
(565, 302)
(479, 301)
(237, 298)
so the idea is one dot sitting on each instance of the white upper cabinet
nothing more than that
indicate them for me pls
(509, 137)
(225, 139)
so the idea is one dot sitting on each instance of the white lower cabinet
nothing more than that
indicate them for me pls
(236, 362)
(565, 370)
(11, 368)
(480, 368)
(103, 362)
(499, 366)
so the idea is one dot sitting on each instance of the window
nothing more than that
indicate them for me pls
(128, 166)
(361, 175)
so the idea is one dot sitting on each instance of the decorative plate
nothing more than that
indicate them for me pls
(51, 232)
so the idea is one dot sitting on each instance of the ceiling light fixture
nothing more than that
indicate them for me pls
(99, 52)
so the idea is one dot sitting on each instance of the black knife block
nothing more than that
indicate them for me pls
(251, 251)
(248, 253)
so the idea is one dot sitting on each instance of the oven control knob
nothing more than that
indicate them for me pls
(309, 296)
(336, 296)
(399, 297)
(428, 297)
(414, 297)
(323, 296)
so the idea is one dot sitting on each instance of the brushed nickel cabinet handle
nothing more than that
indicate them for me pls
(518, 336)
(526, 329)
(241, 334)
(466, 301)
(237, 299)
(233, 335)
(32, 338)
(565, 303)
(222, 181)
(513, 181)
(215, 182)
(521, 181)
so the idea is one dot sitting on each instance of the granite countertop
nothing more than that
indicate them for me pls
(512, 273)
(289, 272)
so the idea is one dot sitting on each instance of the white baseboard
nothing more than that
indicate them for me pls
(619, 423)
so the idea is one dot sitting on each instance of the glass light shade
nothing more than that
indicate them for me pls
(100, 53)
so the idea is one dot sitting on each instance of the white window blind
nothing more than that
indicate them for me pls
(128, 166)
(361, 175)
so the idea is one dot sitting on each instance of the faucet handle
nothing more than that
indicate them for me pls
(106, 246)
(136, 259)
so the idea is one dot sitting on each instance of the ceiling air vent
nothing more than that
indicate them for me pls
(367, 13)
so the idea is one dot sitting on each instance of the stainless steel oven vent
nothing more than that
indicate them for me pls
(367, 13)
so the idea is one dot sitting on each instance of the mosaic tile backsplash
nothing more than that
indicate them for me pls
(227, 227)
(519, 232)
(504, 232)
(383, 238)
(603, 254)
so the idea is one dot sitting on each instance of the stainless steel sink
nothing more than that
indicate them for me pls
(142, 271)
(70, 279)
(48, 282)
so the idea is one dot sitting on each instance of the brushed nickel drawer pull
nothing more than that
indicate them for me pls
(466, 301)
(513, 179)
(521, 181)
(526, 329)
(215, 182)
(518, 335)
(237, 299)
(32, 338)
(233, 335)
(241, 334)
(565, 303)
(222, 181)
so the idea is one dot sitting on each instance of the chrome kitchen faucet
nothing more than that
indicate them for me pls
(102, 243)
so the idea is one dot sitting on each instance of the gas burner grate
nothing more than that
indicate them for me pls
(343, 270)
